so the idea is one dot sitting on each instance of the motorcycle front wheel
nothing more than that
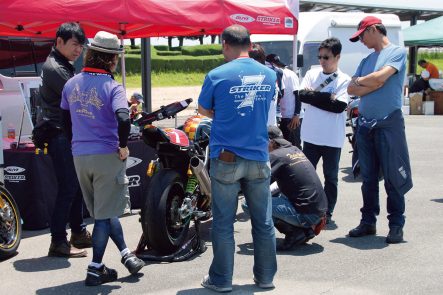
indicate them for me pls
(160, 218)
(10, 224)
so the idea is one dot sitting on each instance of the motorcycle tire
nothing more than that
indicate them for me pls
(159, 216)
(10, 224)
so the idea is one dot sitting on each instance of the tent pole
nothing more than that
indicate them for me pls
(413, 50)
(122, 63)
(146, 73)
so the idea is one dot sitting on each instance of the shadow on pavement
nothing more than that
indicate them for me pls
(437, 200)
(349, 176)
(301, 250)
(77, 288)
(363, 243)
(44, 263)
(236, 289)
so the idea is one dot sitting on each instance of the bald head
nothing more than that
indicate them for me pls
(237, 36)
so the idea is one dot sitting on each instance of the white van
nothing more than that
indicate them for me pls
(314, 27)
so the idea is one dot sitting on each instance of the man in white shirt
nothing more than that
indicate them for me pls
(324, 94)
(290, 105)
(258, 53)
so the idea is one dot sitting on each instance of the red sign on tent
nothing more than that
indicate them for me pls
(148, 18)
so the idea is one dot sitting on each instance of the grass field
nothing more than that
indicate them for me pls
(165, 79)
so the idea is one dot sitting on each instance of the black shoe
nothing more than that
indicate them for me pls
(98, 276)
(132, 263)
(328, 219)
(363, 229)
(292, 239)
(309, 233)
(395, 235)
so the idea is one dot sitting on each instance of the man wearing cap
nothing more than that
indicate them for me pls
(324, 97)
(299, 202)
(95, 109)
(68, 207)
(381, 138)
(290, 105)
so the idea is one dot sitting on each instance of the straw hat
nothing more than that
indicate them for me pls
(106, 42)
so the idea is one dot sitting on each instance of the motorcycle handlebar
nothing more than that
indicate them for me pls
(164, 112)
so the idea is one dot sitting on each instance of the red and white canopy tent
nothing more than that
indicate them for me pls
(148, 18)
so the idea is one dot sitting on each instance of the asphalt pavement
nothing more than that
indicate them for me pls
(331, 263)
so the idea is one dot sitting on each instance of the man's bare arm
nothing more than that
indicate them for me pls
(359, 90)
(363, 85)
(205, 112)
(377, 78)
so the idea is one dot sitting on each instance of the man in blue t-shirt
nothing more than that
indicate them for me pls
(381, 139)
(237, 96)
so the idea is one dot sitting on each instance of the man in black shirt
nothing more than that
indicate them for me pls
(68, 208)
(299, 208)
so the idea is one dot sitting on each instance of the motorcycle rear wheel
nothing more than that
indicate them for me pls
(10, 224)
(160, 218)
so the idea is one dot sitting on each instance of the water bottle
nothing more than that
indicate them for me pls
(11, 131)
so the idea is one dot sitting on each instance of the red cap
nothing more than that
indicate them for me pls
(366, 22)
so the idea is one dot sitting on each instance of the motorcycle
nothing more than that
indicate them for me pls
(180, 187)
(10, 224)
(352, 121)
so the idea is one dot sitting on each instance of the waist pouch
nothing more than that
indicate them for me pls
(43, 132)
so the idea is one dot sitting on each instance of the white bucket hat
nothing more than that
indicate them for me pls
(106, 42)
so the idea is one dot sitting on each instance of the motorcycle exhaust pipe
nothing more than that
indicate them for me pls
(200, 171)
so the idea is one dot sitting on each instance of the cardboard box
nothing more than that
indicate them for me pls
(416, 103)
(437, 97)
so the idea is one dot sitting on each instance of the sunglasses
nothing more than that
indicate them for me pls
(325, 57)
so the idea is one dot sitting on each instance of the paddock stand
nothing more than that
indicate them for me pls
(195, 245)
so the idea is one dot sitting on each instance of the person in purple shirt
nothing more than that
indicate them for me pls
(96, 111)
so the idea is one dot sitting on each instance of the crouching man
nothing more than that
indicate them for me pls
(299, 202)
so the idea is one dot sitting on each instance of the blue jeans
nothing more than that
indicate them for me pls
(69, 202)
(373, 153)
(283, 209)
(331, 160)
(227, 179)
(103, 230)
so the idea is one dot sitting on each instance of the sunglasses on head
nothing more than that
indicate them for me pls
(325, 57)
